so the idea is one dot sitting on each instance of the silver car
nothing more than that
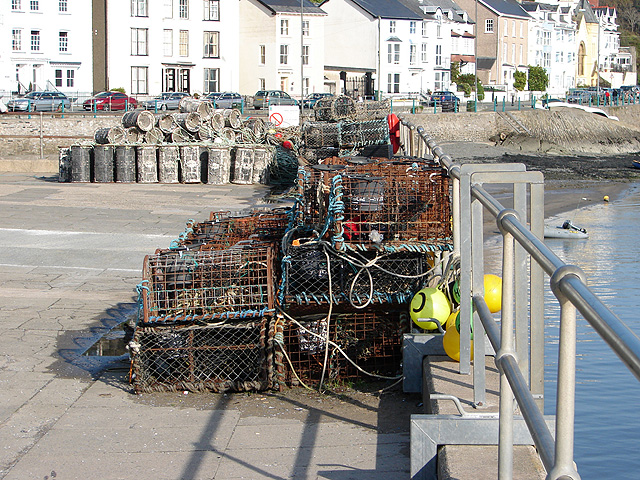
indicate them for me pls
(165, 101)
(40, 101)
(226, 100)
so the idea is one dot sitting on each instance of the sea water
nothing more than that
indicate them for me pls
(607, 415)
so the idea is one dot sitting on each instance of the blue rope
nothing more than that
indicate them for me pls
(142, 286)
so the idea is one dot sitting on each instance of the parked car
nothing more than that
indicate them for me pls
(311, 99)
(165, 101)
(226, 100)
(578, 96)
(110, 101)
(39, 101)
(264, 98)
(446, 100)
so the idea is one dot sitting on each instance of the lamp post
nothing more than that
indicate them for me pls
(598, 63)
(302, 57)
(475, 63)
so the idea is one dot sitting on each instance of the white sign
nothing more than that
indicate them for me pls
(284, 115)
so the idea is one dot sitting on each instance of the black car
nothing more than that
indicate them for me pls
(446, 100)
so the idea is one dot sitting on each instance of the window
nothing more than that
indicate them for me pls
(169, 80)
(211, 80)
(305, 86)
(263, 84)
(438, 55)
(58, 78)
(16, 4)
(167, 11)
(34, 5)
(35, 40)
(70, 78)
(184, 43)
(393, 83)
(167, 43)
(546, 60)
(521, 29)
(513, 53)
(16, 39)
(546, 38)
(506, 27)
(139, 8)
(393, 50)
(184, 9)
(139, 41)
(424, 29)
(412, 54)
(139, 80)
(284, 27)
(63, 5)
(63, 41)
(488, 25)
(521, 57)
(284, 54)
(263, 54)
(392, 26)
(211, 10)
(305, 28)
(423, 53)
(412, 27)
(305, 54)
(513, 28)
(504, 53)
(211, 45)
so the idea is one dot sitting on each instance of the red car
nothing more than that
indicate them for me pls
(110, 101)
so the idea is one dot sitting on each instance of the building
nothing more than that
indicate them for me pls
(47, 46)
(148, 47)
(282, 46)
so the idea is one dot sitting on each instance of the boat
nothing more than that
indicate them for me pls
(635, 164)
(567, 230)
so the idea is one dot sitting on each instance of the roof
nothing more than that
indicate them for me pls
(583, 9)
(392, 9)
(509, 8)
(292, 6)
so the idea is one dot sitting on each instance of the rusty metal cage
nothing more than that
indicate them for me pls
(205, 286)
(333, 109)
(372, 340)
(372, 110)
(320, 134)
(216, 358)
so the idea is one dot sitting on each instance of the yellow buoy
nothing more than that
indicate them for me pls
(606, 198)
(493, 292)
(451, 344)
(429, 304)
(451, 321)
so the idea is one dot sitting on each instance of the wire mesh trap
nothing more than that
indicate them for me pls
(205, 286)
(216, 358)
(372, 340)
(332, 109)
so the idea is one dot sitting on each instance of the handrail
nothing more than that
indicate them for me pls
(568, 285)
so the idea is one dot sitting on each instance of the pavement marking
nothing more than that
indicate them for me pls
(60, 232)
(133, 270)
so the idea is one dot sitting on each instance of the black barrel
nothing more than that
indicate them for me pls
(109, 135)
(125, 163)
(80, 163)
(64, 165)
(168, 160)
(143, 119)
(103, 168)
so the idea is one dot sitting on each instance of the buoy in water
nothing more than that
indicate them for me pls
(606, 198)
(493, 292)
(429, 304)
(451, 344)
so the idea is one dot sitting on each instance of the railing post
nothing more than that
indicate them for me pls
(566, 390)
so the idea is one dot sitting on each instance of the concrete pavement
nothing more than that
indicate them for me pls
(71, 257)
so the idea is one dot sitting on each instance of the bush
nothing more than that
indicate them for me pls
(519, 80)
(480, 91)
(118, 89)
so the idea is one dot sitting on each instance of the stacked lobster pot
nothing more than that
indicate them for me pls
(365, 236)
(206, 307)
(343, 127)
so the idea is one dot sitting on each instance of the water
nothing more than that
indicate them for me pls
(607, 421)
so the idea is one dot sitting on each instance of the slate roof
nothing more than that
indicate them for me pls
(291, 6)
(391, 9)
(509, 8)
(583, 8)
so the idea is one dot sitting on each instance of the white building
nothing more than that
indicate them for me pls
(153, 46)
(281, 46)
(46, 45)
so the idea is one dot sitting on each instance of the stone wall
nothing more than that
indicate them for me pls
(458, 127)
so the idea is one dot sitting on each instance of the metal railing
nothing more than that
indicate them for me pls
(520, 354)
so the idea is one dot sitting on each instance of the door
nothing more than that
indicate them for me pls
(185, 80)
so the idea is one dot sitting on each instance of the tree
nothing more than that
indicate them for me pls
(538, 79)
(519, 80)
(455, 71)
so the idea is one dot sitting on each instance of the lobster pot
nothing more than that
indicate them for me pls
(80, 163)
(188, 121)
(372, 110)
(110, 135)
(203, 108)
(207, 286)
(220, 358)
(227, 135)
(103, 167)
(205, 134)
(168, 160)
(320, 134)
(333, 109)
(219, 165)
(314, 155)
(134, 135)
(125, 164)
(64, 165)
(190, 163)
(243, 166)
(147, 163)
(179, 135)
(361, 134)
(217, 120)
(143, 119)
(166, 123)
(231, 118)
(256, 125)
(263, 157)
(154, 136)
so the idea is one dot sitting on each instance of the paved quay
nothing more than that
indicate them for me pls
(71, 257)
